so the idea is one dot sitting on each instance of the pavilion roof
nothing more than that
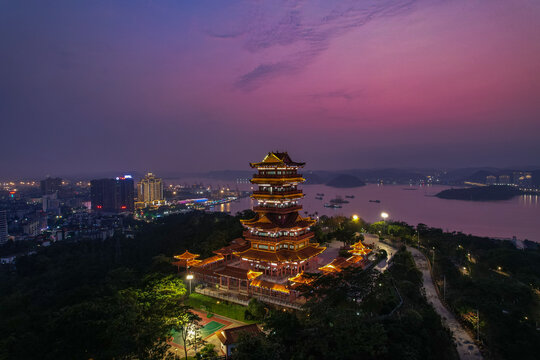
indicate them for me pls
(191, 263)
(338, 264)
(335, 266)
(277, 159)
(270, 285)
(359, 249)
(232, 335)
(301, 278)
(208, 261)
(355, 259)
(238, 244)
(186, 256)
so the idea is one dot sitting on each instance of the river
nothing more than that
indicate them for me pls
(518, 217)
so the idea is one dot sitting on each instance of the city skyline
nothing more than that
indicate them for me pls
(113, 87)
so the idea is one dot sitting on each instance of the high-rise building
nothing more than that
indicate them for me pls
(113, 195)
(50, 202)
(150, 190)
(491, 180)
(50, 185)
(504, 180)
(3, 227)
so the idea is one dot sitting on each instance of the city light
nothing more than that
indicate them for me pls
(384, 215)
(355, 217)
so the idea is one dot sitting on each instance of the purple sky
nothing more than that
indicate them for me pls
(198, 85)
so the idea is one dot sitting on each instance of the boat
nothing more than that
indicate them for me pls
(333, 206)
(375, 201)
(349, 196)
(339, 200)
(410, 189)
(318, 197)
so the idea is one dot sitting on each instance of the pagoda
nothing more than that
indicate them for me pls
(279, 237)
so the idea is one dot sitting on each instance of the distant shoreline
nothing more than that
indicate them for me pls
(481, 193)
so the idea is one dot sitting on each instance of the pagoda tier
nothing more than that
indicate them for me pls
(279, 236)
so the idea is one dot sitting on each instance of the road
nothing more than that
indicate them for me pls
(466, 347)
(382, 266)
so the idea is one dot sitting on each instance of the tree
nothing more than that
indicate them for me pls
(256, 308)
(256, 347)
(186, 324)
(208, 352)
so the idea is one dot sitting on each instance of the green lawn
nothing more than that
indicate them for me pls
(209, 304)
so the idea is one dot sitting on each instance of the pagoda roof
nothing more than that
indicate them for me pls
(270, 285)
(283, 255)
(270, 221)
(277, 159)
(238, 273)
(186, 256)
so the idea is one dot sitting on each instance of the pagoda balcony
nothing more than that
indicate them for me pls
(277, 210)
(278, 193)
(275, 176)
(250, 236)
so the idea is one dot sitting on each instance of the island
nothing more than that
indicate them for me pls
(345, 181)
(481, 193)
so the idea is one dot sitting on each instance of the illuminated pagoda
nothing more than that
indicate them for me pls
(270, 259)
(279, 236)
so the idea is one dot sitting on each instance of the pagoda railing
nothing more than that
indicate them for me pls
(278, 210)
(278, 193)
(249, 235)
(276, 176)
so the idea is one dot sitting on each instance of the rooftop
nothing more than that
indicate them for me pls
(277, 159)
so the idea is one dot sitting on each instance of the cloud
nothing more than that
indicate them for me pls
(336, 94)
(261, 73)
(302, 37)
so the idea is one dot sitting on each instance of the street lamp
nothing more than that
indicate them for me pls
(355, 217)
(384, 215)
(189, 277)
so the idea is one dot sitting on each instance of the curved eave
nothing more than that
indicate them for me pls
(276, 164)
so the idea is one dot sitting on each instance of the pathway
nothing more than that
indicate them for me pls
(466, 347)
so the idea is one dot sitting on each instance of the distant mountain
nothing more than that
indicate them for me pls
(313, 178)
(481, 193)
(345, 181)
